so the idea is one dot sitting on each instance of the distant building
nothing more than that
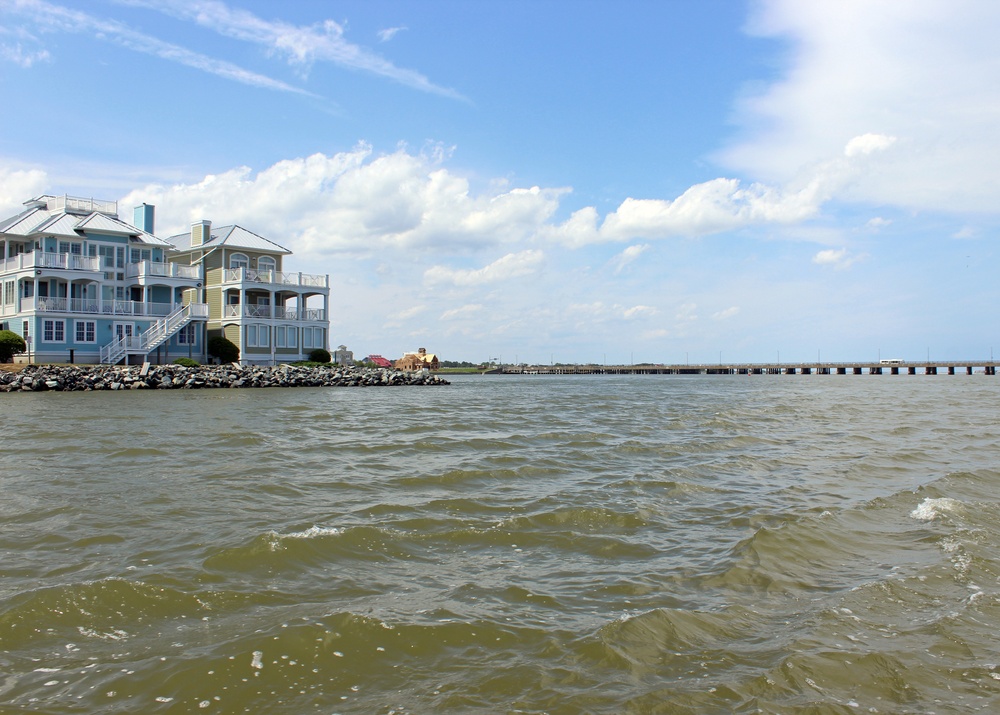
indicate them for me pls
(378, 360)
(420, 360)
(343, 356)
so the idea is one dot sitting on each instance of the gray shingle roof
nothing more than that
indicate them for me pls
(232, 237)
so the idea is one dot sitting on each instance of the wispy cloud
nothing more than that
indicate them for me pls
(389, 32)
(628, 255)
(300, 45)
(57, 17)
(513, 265)
(836, 258)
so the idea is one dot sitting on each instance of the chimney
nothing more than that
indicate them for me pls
(201, 232)
(142, 217)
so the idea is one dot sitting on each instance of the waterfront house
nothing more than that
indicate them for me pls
(271, 314)
(82, 285)
(420, 360)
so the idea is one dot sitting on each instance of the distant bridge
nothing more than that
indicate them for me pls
(936, 367)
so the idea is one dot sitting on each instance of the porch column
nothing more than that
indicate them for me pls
(270, 304)
(326, 307)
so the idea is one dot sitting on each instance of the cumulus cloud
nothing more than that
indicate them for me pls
(513, 265)
(17, 185)
(877, 223)
(357, 202)
(922, 72)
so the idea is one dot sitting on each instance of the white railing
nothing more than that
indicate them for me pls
(239, 275)
(77, 203)
(157, 334)
(278, 312)
(48, 259)
(157, 269)
(96, 306)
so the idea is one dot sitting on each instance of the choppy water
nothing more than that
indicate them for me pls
(646, 544)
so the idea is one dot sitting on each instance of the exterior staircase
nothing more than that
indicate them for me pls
(159, 332)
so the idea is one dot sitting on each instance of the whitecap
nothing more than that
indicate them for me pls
(930, 509)
(312, 532)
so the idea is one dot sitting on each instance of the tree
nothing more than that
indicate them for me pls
(224, 349)
(10, 344)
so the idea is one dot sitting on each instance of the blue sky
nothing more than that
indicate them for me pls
(550, 181)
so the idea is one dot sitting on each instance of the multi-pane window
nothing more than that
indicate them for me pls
(186, 335)
(141, 254)
(257, 336)
(86, 331)
(9, 289)
(54, 331)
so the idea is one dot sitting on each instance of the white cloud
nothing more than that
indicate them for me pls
(628, 255)
(18, 185)
(354, 202)
(966, 232)
(21, 57)
(638, 311)
(922, 71)
(513, 265)
(878, 222)
(727, 313)
(302, 46)
(389, 32)
(836, 258)
(56, 17)
(464, 311)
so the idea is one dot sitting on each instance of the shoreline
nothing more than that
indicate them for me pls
(90, 378)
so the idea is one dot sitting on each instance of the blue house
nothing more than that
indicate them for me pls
(82, 285)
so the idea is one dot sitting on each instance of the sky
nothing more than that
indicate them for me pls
(559, 181)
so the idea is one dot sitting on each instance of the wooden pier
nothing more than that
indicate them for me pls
(937, 367)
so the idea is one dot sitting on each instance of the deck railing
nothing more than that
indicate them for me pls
(48, 259)
(248, 275)
(158, 269)
(94, 306)
(277, 312)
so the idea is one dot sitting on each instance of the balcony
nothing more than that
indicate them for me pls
(275, 278)
(90, 306)
(56, 261)
(155, 269)
(277, 312)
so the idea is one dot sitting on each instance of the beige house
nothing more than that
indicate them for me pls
(420, 360)
(271, 313)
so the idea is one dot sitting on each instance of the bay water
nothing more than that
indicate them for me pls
(505, 544)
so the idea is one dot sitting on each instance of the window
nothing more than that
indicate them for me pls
(239, 260)
(265, 263)
(293, 335)
(9, 289)
(257, 336)
(141, 254)
(54, 331)
(75, 248)
(29, 289)
(107, 256)
(24, 330)
(279, 336)
(186, 335)
(86, 331)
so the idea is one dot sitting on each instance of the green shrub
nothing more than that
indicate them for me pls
(10, 344)
(319, 355)
(224, 349)
(186, 362)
